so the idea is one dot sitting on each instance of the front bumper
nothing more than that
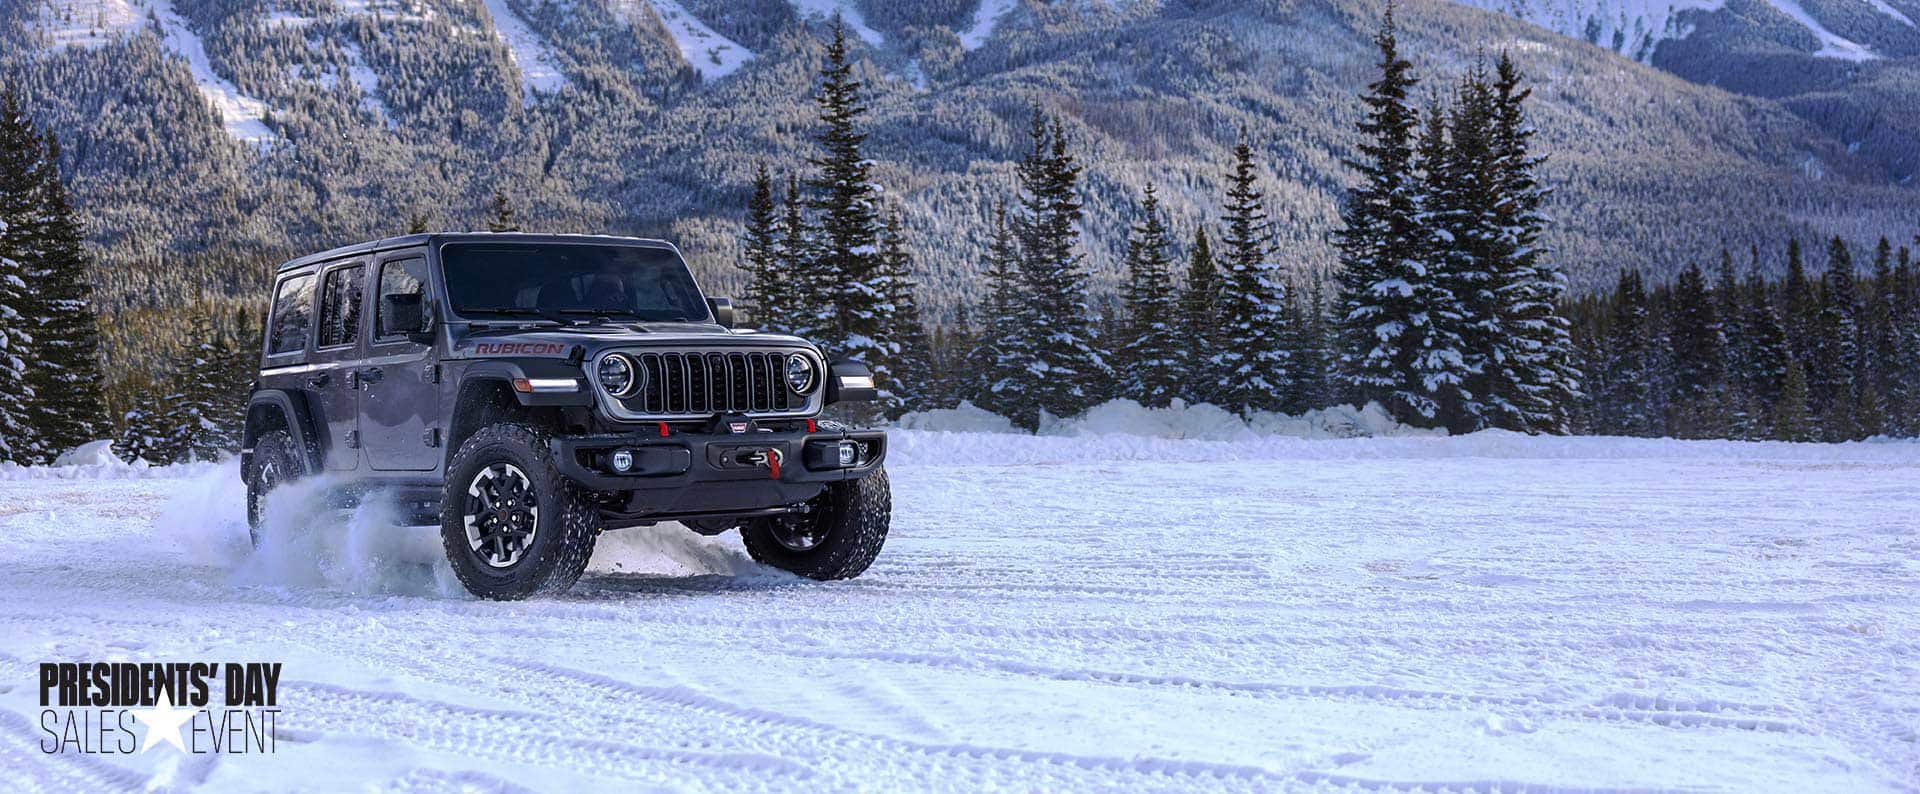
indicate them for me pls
(703, 474)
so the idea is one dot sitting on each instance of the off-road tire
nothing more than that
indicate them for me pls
(564, 530)
(275, 462)
(854, 515)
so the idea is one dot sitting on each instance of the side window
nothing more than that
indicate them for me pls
(401, 307)
(292, 316)
(340, 306)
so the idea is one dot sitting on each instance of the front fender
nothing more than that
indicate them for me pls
(533, 370)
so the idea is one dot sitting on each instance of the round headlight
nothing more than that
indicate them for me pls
(618, 376)
(799, 374)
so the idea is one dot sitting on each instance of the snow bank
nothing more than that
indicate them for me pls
(1178, 421)
(92, 453)
(95, 460)
(1125, 430)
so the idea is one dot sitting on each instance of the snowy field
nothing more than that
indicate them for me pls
(1491, 613)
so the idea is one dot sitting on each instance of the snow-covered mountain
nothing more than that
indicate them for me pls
(217, 134)
(1637, 28)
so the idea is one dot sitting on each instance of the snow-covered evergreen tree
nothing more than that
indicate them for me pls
(19, 224)
(810, 304)
(1765, 354)
(1005, 345)
(1800, 304)
(68, 401)
(501, 216)
(910, 377)
(1252, 359)
(1381, 241)
(1880, 353)
(1308, 382)
(1791, 419)
(1148, 360)
(1697, 403)
(846, 262)
(1200, 313)
(1835, 352)
(1626, 400)
(1442, 287)
(1060, 358)
(1473, 260)
(1545, 377)
(769, 291)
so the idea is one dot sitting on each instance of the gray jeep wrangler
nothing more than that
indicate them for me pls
(526, 392)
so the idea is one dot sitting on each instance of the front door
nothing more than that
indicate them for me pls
(337, 349)
(400, 384)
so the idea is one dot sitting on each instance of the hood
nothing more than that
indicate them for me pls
(548, 341)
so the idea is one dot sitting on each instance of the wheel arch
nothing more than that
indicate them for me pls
(274, 409)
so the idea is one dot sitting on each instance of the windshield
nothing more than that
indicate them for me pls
(570, 282)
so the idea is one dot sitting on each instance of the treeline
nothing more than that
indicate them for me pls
(1832, 358)
(51, 395)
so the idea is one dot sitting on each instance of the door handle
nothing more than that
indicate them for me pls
(320, 380)
(372, 375)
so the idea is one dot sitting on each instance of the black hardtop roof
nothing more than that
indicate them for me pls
(411, 240)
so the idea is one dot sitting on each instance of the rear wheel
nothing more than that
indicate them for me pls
(838, 536)
(511, 525)
(275, 462)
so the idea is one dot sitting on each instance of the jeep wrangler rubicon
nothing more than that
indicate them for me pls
(526, 392)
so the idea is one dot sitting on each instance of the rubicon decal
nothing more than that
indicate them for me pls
(102, 708)
(519, 349)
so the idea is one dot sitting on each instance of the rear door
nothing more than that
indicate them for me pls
(338, 345)
(400, 383)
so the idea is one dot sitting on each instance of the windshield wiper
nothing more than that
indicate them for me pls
(518, 311)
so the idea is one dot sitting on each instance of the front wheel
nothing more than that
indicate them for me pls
(837, 538)
(513, 526)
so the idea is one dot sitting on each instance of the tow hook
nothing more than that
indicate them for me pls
(769, 458)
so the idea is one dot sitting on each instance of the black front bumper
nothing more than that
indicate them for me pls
(713, 474)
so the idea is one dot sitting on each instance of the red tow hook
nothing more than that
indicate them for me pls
(769, 458)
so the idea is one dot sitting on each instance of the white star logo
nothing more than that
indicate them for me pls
(163, 723)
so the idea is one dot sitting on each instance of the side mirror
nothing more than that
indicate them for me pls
(722, 311)
(850, 382)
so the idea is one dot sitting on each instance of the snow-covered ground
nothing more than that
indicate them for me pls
(712, 55)
(1073, 611)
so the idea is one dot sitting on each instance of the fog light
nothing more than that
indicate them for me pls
(623, 461)
(849, 453)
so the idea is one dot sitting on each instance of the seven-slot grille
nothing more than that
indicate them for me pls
(710, 383)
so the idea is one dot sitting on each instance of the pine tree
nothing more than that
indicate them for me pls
(1835, 352)
(1791, 419)
(1800, 304)
(1547, 380)
(1735, 341)
(1253, 345)
(1903, 392)
(501, 216)
(769, 291)
(1474, 260)
(418, 222)
(1308, 386)
(1380, 242)
(69, 405)
(1148, 358)
(1880, 360)
(809, 304)
(143, 433)
(1696, 403)
(1062, 361)
(19, 150)
(1200, 312)
(1763, 365)
(909, 363)
(1626, 401)
(845, 264)
(1445, 289)
(1005, 344)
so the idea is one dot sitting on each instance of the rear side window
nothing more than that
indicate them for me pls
(340, 306)
(292, 315)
